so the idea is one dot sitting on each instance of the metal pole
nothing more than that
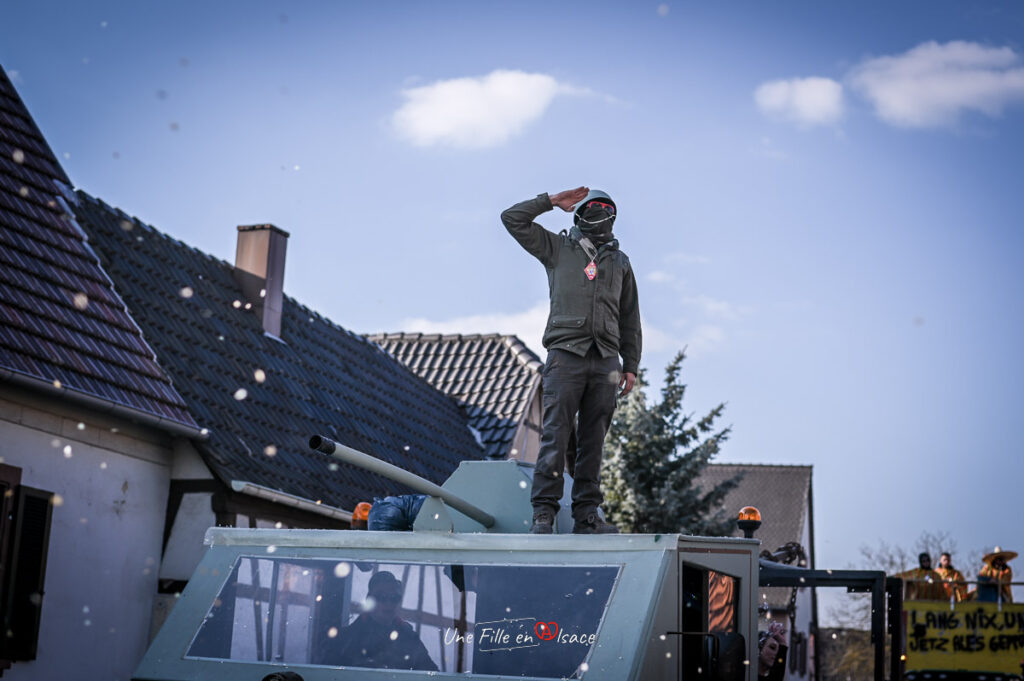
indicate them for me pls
(375, 465)
(878, 626)
(894, 590)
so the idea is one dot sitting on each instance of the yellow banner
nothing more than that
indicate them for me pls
(972, 636)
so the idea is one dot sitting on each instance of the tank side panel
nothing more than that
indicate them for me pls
(662, 654)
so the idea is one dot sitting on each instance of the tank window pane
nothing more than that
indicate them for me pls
(525, 620)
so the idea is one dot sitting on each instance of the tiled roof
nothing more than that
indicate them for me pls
(493, 377)
(61, 322)
(319, 378)
(781, 493)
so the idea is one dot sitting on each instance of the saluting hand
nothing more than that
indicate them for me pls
(569, 198)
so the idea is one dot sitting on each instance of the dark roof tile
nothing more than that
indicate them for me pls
(320, 379)
(44, 263)
(480, 371)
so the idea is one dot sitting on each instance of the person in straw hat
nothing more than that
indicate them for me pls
(995, 576)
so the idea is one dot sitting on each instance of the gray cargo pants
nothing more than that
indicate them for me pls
(572, 384)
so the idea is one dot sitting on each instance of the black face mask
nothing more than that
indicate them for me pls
(595, 220)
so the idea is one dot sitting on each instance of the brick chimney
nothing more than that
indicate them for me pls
(259, 270)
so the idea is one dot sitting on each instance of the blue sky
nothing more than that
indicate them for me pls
(821, 200)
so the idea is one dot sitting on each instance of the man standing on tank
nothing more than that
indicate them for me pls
(594, 318)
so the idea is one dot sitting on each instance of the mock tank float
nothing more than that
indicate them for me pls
(479, 597)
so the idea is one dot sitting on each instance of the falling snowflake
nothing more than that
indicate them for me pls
(342, 570)
(186, 292)
(270, 450)
(126, 225)
(333, 631)
(18, 155)
(393, 636)
(57, 500)
(271, 549)
(67, 451)
(80, 426)
(80, 300)
(241, 394)
(236, 304)
(259, 375)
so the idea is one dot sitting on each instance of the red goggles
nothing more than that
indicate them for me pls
(607, 206)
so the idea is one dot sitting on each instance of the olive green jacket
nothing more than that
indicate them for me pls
(604, 310)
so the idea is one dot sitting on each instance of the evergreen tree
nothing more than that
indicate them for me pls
(653, 457)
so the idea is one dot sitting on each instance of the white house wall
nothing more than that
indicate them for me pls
(187, 464)
(104, 547)
(185, 546)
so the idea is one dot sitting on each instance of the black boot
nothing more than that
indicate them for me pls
(543, 523)
(593, 524)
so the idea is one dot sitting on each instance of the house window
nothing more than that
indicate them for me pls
(24, 541)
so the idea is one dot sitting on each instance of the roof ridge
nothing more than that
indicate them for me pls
(522, 352)
(765, 465)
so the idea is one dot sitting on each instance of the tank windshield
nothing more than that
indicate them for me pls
(523, 620)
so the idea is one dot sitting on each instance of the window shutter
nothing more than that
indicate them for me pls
(26, 573)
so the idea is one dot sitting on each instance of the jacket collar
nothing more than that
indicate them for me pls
(587, 245)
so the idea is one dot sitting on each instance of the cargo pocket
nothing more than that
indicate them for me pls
(569, 321)
(562, 327)
(611, 328)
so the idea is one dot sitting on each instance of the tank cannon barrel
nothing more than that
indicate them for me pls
(400, 475)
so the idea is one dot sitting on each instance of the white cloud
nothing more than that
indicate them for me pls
(808, 101)
(476, 112)
(932, 84)
(705, 338)
(661, 277)
(656, 340)
(722, 309)
(528, 325)
(687, 258)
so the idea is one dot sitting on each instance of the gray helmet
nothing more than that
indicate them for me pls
(593, 195)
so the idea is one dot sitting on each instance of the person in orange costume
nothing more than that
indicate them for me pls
(922, 583)
(953, 580)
